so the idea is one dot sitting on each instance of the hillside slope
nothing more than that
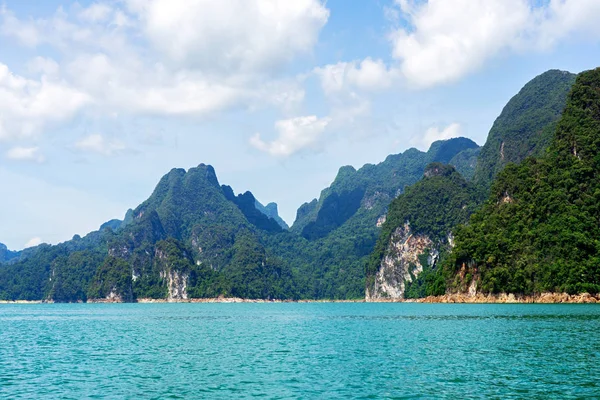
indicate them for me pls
(539, 231)
(365, 193)
(417, 232)
(526, 125)
(191, 238)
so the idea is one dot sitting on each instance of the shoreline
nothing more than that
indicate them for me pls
(455, 298)
(502, 298)
(225, 300)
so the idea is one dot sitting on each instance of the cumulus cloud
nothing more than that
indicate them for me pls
(31, 154)
(98, 144)
(294, 134)
(447, 39)
(435, 133)
(453, 37)
(36, 241)
(96, 12)
(30, 105)
(231, 35)
(564, 18)
(350, 85)
(157, 57)
(366, 75)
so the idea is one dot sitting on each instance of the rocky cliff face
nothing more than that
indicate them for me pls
(401, 263)
(176, 281)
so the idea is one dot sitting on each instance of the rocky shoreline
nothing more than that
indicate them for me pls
(543, 298)
(458, 298)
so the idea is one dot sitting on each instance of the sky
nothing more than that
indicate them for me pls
(99, 99)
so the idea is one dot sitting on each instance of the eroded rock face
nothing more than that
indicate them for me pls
(400, 264)
(176, 284)
(176, 281)
(114, 297)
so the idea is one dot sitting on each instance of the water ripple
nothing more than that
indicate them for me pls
(281, 351)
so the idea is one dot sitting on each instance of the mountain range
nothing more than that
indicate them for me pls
(396, 229)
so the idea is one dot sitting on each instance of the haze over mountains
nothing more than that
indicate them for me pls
(194, 237)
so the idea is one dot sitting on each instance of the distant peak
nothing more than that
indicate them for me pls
(205, 171)
(556, 72)
(177, 171)
(466, 142)
(444, 150)
(346, 170)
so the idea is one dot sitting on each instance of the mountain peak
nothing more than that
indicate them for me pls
(206, 171)
(526, 125)
(444, 150)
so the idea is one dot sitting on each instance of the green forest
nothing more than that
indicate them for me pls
(518, 215)
(539, 230)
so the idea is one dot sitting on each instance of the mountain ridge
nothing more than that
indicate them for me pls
(194, 237)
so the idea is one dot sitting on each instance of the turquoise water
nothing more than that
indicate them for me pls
(299, 351)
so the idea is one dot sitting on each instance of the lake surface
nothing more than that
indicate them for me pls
(299, 351)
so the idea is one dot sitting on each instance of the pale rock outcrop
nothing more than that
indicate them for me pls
(400, 264)
(176, 281)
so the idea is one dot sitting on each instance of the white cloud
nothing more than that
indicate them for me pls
(563, 18)
(43, 66)
(294, 134)
(96, 143)
(231, 35)
(434, 133)
(205, 56)
(454, 37)
(31, 154)
(366, 75)
(349, 87)
(12, 26)
(130, 86)
(96, 12)
(28, 105)
(36, 241)
(448, 39)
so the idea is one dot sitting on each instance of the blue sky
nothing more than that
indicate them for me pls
(99, 99)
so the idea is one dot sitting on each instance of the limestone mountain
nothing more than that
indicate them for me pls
(525, 126)
(194, 237)
(417, 232)
(333, 237)
(113, 224)
(406, 260)
(539, 230)
(271, 211)
(191, 237)
(357, 196)
(7, 255)
(465, 162)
